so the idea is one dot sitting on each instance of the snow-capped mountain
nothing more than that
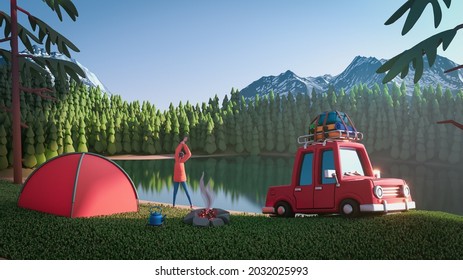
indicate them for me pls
(362, 70)
(90, 80)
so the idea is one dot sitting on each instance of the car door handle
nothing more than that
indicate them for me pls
(319, 188)
(297, 189)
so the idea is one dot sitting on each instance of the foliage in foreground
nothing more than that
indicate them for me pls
(27, 234)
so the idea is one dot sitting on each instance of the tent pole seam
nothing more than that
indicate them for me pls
(74, 191)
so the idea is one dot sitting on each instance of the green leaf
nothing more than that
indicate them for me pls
(416, 8)
(431, 53)
(437, 13)
(399, 13)
(415, 13)
(447, 3)
(23, 34)
(70, 9)
(55, 38)
(405, 70)
(67, 5)
(401, 62)
(418, 65)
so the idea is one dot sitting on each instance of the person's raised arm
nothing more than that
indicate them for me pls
(187, 153)
(178, 150)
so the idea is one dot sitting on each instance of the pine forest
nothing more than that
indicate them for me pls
(396, 124)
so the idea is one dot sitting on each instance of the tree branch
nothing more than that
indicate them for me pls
(460, 66)
(457, 124)
(24, 11)
(5, 39)
(5, 109)
(453, 69)
(35, 90)
(39, 92)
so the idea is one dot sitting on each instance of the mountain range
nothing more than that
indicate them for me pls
(362, 70)
(90, 78)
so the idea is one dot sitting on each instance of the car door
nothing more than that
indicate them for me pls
(303, 191)
(325, 187)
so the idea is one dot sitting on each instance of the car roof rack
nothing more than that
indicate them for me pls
(332, 135)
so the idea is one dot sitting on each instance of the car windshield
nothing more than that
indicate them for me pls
(350, 163)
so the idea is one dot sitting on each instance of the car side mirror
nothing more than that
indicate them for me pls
(331, 173)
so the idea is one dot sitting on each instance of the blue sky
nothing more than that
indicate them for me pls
(178, 50)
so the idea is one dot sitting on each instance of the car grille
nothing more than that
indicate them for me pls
(392, 191)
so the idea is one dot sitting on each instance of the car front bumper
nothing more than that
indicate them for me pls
(386, 207)
(268, 210)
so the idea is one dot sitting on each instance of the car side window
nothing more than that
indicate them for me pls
(305, 178)
(327, 164)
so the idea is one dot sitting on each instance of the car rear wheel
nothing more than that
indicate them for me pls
(349, 208)
(283, 209)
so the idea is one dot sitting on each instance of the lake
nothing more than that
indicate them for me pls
(240, 183)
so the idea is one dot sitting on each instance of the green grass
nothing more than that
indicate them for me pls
(26, 234)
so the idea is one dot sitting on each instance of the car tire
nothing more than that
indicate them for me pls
(283, 209)
(349, 208)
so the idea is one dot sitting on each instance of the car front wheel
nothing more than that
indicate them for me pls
(283, 209)
(349, 208)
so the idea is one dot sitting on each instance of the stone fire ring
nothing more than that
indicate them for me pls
(222, 218)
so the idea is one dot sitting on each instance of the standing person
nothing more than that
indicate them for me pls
(182, 154)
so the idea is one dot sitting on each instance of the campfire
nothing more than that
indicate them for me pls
(207, 216)
(208, 213)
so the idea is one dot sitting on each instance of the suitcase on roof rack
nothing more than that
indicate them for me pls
(332, 118)
(332, 125)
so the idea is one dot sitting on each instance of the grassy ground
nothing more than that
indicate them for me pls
(26, 234)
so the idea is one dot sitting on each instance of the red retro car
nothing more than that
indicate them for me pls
(336, 176)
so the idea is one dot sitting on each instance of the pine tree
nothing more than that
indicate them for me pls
(82, 139)
(118, 134)
(395, 145)
(149, 146)
(104, 127)
(280, 141)
(30, 160)
(3, 150)
(126, 141)
(405, 145)
(136, 146)
(210, 146)
(221, 142)
(260, 131)
(292, 146)
(443, 142)
(255, 149)
(111, 146)
(52, 142)
(455, 150)
(175, 132)
(157, 133)
(248, 132)
(270, 134)
(68, 144)
(39, 146)
(239, 147)
(420, 142)
(431, 137)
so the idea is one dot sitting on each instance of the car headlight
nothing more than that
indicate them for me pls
(378, 191)
(406, 190)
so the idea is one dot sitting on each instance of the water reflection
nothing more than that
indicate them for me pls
(240, 183)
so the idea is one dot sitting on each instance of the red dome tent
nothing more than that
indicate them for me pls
(79, 185)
